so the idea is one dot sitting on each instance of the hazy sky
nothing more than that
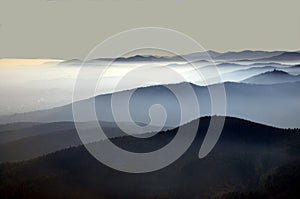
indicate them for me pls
(66, 29)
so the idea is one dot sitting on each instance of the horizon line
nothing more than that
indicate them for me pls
(145, 55)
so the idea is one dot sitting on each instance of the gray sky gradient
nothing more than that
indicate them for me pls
(69, 29)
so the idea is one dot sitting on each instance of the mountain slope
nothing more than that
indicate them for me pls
(27, 143)
(285, 57)
(272, 77)
(245, 152)
(243, 100)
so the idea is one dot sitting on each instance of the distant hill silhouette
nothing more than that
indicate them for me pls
(285, 56)
(148, 58)
(202, 55)
(247, 55)
(242, 100)
(35, 140)
(272, 77)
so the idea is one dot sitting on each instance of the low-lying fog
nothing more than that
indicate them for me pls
(31, 87)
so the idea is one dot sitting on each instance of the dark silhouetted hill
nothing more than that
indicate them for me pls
(244, 155)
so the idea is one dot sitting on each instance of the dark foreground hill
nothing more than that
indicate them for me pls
(249, 161)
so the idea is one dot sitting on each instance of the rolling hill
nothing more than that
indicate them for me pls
(272, 77)
(242, 100)
(245, 153)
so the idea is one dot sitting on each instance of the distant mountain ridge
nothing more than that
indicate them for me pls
(285, 56)
(197, 56)
(247, 55)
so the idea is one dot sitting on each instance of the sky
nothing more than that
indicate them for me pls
(68, 29)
